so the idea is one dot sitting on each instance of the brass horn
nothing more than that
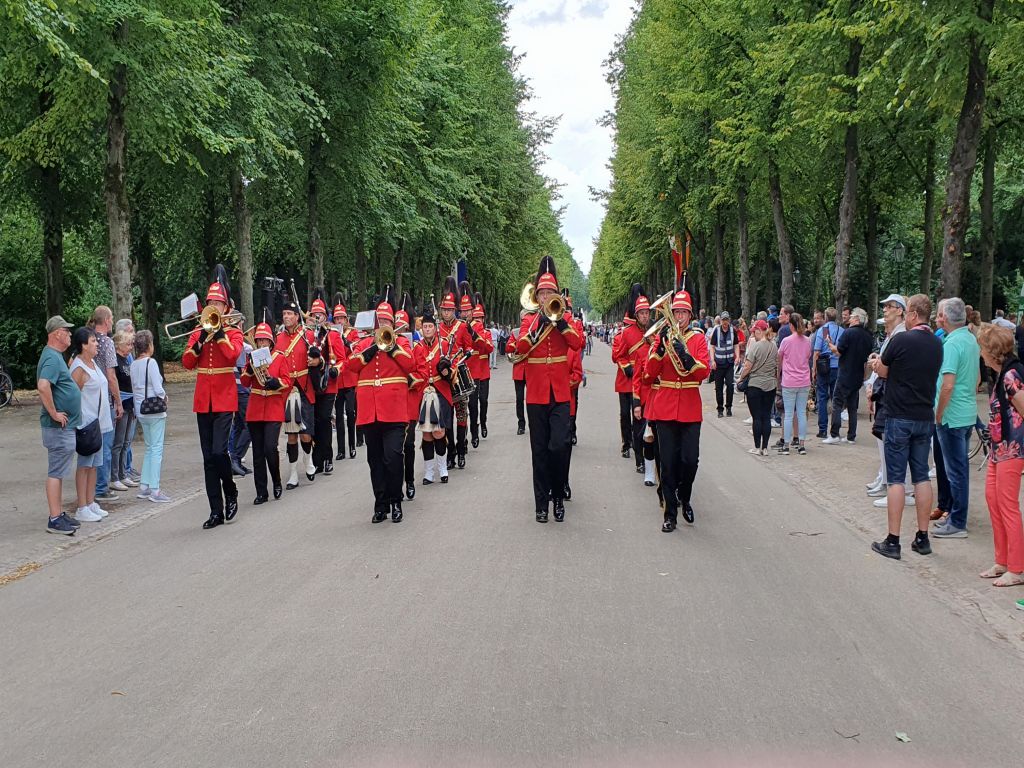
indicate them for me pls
(384, 338)
(554, 308)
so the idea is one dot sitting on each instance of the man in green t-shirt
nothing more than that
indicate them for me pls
(956, 411)
(62, 410)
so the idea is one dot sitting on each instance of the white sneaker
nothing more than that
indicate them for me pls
(748, 420)
(649, 479)
(159, 497)
(931, 473)
(883, 502)
(832, 440)
(86, 515)
(874, 483)
(879, 491)
(98, 510)
(130, 483)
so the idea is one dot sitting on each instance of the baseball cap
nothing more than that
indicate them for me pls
(761, 325)
(895, 298)
(725, 316)
(773, 308)
(56, 322)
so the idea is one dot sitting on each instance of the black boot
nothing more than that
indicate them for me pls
(625, 451)
(483, 430)
(670, 523)
(542, 515)
(260, 499)
(328, 466)
(476, 441)
(410, 490)
(231, 507)
(559, 511)
(462, 459)
(341, 455)
(568, 492)
(687, 513)
(522, 429)
(379, 516)
(396, 512)
(278, 490)
(215, 520)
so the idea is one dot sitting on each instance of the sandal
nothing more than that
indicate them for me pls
(1009, 579)
(994, 572)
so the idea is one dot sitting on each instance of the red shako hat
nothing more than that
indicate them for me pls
(318, 305)
(339, 308)
(465, 297)
(451, 292)
(682, 301)
(264, 331)
(478, 308)
(219, 289)
(385, 309)
(547, 275)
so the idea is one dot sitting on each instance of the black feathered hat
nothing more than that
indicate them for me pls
(465, 297)
(547, 275)
(220, 288)
(450, 297)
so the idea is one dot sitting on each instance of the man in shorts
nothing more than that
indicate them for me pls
(62, 409)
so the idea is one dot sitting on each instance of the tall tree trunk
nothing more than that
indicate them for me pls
(718, 237)
(819, 266)
(143, 247)
(361, 299)
(53, 237)
(115, 187)
(243, 240)
(209, 235)
(956, 212)
(399, 259)
(871, 246)
(988, 225)
(848, 200)
(928, 255)
(744, 249)
(699, 243)
(781, 233)
(316, 255)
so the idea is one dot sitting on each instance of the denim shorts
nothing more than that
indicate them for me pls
(60, 450)
(88, 462)
(907, 442)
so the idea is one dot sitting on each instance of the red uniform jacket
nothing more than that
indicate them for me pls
(267, 404)
(382, 393)
(295, 365)
(458, 334)
(547, 373)
(334, 353)
(518, 369)
(216, 389)
(575, 377)
(427, 357)
(641, 385)
(675, 395)
(349, 378)
(625, 347)
(479, 361)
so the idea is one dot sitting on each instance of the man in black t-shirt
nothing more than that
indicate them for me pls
(910, 363)
(853, 349)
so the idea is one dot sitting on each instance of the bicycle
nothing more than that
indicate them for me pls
(979, 440)
(6, 387)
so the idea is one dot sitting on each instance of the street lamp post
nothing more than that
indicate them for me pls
(898, 252)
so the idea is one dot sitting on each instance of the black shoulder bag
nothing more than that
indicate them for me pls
(89, 439)
(151, 405)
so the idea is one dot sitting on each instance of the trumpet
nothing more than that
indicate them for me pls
(210, 320)
(384, 338)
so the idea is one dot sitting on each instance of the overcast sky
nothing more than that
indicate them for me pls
(565, 43)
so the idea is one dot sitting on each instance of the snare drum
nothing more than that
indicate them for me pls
(462, 382)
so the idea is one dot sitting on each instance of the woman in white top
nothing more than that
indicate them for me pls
(147, 382)
(95, 397)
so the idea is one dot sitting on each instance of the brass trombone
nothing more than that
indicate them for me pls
(209, 320)
(384, 338)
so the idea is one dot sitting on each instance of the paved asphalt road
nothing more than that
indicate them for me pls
(471, 635)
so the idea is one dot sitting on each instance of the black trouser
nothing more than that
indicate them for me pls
(846, 396)
(572, 419)
(549, 446)
(478, 406)
(345, 408)
(409, 451)
(723, 377)
(214, 429)
(760, 402)
(265, 435)
(520, 401)
(240, 438)
(385, 442)
(639, 425)
(679, 452)
(626, 418)
(323, 409)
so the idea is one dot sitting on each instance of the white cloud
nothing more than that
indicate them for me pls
(565, 46)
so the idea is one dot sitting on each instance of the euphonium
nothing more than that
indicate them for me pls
(384, 338)
(528, 298)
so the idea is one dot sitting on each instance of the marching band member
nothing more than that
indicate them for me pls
(404, 324)
(213, 356)
(545, 344)
(624, 351)
(461, 342)
(641, 397)
(326, 381)
(345, 402)
(480, 370)
(518, 375)
(675, 367)
(295, 345)
(575, 320)
(433, 356)
(383, 363)
(575, 379)
(265, 414)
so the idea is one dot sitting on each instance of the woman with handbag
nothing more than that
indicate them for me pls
(757, 381)
(151, 410)
(95, 422)
(795, 378)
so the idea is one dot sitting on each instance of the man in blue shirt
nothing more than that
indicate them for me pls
(825, 370)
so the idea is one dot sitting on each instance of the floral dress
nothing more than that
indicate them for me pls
(1011, 445)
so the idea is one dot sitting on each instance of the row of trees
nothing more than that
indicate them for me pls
(347, 143)
(806, 146)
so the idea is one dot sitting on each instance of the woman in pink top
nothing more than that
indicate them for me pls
(795, 375)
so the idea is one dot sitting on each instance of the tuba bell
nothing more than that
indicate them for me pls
(384, 338)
